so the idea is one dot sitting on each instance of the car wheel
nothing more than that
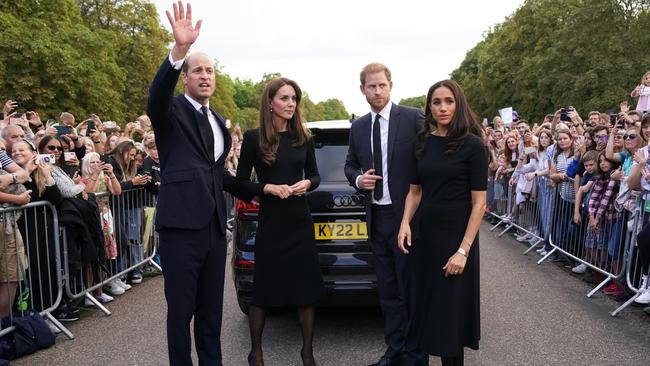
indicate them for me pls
(243, 306)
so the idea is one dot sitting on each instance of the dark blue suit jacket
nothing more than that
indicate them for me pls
(192, 183)
(404, 124)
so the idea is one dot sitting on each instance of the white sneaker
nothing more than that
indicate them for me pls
(543, 252)
(580, 268)
(524, 237)
(540, 250)
(104, 298)
(644, 298)
(114, 287)
(88, 302)
(533, 240)
(122, 284)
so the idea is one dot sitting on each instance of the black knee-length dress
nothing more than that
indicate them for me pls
(286, 262)
(447, 309)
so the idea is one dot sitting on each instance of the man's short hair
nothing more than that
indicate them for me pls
(186, 64)
(635, 113)
(372, 68)
(594, 113)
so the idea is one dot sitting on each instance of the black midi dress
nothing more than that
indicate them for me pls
(447, 309)
(286, 262)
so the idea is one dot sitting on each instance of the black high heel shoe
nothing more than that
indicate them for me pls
(308, 360)
(253, 362)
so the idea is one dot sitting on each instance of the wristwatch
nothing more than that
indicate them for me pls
(462, 252)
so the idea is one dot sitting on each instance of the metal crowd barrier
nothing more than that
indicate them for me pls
(634, 272)
(548, 214)
(527, 212)
(599, 247)
(136, 244)
(30, 263)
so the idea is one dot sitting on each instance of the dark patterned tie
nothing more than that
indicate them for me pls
(376, 157)
(206, 132)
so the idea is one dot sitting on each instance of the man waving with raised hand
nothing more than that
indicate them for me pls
(192, 142)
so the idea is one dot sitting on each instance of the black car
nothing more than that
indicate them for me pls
(340, 228)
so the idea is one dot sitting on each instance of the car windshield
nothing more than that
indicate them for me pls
(331, 150)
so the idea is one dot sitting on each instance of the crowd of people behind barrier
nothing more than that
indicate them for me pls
(579, 186)
(76, 168)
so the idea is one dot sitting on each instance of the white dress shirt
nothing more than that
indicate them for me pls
(216, 131)
(384, 120)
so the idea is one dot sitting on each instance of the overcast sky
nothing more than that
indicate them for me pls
(324, 44)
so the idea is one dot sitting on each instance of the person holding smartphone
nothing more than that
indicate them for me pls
(98, 177)
(131, 251)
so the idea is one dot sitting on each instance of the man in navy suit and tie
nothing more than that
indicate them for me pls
(381, 162)
(193, 143)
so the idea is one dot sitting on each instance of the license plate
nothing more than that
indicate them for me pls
(340, 230)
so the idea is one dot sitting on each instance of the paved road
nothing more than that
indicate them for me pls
(531, 315)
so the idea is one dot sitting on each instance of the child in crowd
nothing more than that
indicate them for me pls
(603, 219)
(643, 92)
(583, 194)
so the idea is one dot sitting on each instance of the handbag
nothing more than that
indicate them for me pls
(30, 335)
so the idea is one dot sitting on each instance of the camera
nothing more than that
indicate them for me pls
(564, 113)
(45, 158)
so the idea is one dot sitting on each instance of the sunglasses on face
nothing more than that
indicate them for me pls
(618, 137)
(631, 136)
(52, 147)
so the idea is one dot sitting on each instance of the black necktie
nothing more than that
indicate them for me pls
(206, 132)
(377, 159)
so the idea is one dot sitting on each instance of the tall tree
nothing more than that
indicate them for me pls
(553, 53)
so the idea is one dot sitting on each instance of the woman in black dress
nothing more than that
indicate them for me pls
(286, 262)
(450, 193)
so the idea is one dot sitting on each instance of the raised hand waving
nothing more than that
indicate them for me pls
(185, 34)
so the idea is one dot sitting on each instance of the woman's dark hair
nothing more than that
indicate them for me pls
(269, 137)
(128, 167)
(44, 142)
(463, 123)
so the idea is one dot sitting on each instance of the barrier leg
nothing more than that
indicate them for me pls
(533, 246)
(505, 230)
(98, 304)
(624, 306)
(501, 221)
(58, 324)
(601, 285)
(547, 256)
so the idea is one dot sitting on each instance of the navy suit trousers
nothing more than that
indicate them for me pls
(193, 263)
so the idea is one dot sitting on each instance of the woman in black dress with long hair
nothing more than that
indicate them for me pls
(450, 193)
(286, 263)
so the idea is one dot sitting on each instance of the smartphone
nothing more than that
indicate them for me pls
(67, 156)
(530, 150)
(63, 130)
(45, 158)
(91, 126)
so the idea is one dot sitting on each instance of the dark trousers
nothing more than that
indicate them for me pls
(193, 263)
(393, 282)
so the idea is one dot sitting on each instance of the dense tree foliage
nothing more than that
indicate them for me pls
(553, 53)
(417, 102)
(99, 56)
